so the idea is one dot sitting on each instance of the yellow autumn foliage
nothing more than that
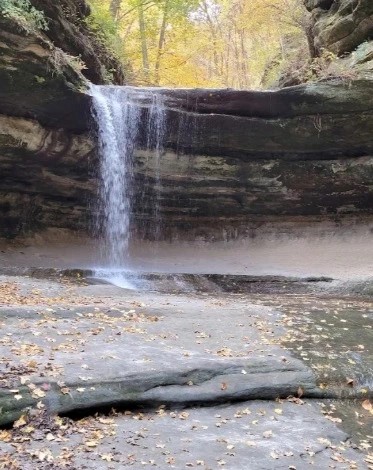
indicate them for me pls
(204, 43)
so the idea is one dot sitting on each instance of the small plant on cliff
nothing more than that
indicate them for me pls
(24, 14)
(59, 59)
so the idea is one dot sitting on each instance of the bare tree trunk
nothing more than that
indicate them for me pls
(162, 40)
(227, 60)
(245, 58)
(144, 46)
(238, 76)
(311, 40)
(213, 35)
(115, 8)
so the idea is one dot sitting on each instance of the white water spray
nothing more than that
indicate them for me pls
(155, 142)
(118, 113)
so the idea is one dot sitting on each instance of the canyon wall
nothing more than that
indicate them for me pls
(232, 158)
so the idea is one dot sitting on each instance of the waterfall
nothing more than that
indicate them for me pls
(124, 125)
(155, 140)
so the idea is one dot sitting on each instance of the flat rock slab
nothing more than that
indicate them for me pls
(258, 435)
(88, 357)
(180, 282)
(99, 346)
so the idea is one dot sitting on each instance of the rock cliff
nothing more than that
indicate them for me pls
(341, 25)
(246, 157)
(45, 146)
(345, 27)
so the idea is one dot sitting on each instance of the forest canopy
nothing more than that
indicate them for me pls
(205, 43)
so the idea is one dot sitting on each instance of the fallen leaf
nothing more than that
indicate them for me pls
(225, 352)
(91, 443)
(333, 420)
(5, 436)
(22, 421)
(367, 405)
(324, 441)
(38, 393)
(106, 420)
(251, 443)
(364, 446)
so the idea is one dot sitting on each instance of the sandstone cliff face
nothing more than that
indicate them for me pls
(45, 146)
(68, 31)
(345, 27)
(38, 81)
(45, 179)
(300, 151)
(341, 25)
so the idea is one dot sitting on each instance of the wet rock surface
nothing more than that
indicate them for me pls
(68, 348)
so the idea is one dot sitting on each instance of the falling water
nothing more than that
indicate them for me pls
(118, 113)
(155, 141)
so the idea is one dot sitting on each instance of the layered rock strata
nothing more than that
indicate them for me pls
(300, 152)
(45, 146)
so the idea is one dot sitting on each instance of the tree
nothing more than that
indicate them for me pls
(115, 8)
(218, 43)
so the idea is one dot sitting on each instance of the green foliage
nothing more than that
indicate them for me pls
(24, 13)
(103, 26)
(39, 80)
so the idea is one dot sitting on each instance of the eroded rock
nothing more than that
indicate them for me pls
(341, 26)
